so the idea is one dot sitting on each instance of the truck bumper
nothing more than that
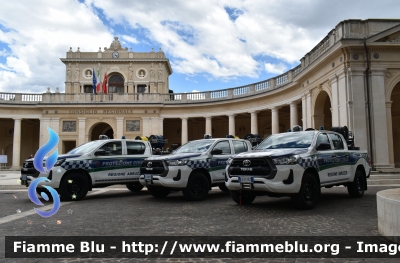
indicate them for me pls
(287, 181)
(177, 177)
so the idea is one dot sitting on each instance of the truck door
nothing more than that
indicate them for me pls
(134, 157)
(324, 159)
(110, 167)
(218, 161)
(342, 157)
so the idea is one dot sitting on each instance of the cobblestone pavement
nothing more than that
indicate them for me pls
(118, 212)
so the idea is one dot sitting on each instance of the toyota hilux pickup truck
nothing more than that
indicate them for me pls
(94, 164)
(194, 168)
(298, 164)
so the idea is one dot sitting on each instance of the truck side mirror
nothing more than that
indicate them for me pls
(216, 151)
(100, 152)
(323, 146)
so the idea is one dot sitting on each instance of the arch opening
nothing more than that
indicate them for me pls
(395, 115)
(101, 128)
(322, 111)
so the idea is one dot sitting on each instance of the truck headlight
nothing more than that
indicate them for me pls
(59, 162)
(230, 160)
(286, 160)
(177, 162)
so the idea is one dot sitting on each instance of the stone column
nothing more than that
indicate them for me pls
(131, 87)
(44, 135)
(343, 100)
(146, 126)
(334, 102)
(184, 134)
(16, 162)
(357, 91)
(81, 130)
(303, 112)
(309, 114)
(294, 118)
(120, 127)
(208, 126)
(231, 124)
(378, 112)
(275, 120)
(253, 122)
(55, 125)
(154, 125)
(161, 126)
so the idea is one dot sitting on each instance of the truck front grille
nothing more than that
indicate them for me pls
(155, 167)
(257, 167)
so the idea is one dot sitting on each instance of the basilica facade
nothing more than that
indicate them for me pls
(350, 78)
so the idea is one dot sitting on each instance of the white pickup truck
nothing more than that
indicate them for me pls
(298, 164)
(193, 168)
(94, 164)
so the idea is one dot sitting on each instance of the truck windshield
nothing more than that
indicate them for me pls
(287, 140)
(195, 147)
(86, 148)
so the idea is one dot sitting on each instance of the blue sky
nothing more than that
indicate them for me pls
(211, 44)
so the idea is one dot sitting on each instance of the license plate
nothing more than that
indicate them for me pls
(246, 179)
(148, 177)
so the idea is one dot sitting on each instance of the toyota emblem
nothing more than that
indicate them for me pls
(149, 164)
(246, 162)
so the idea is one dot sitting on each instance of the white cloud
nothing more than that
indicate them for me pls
(39, 32)
(199, 37)
(129, 39)
(275, 68)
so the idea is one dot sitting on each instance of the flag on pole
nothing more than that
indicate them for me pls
(94, 82)
(105, 83)
(98, 86)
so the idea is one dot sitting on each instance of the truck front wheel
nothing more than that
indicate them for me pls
(309, 193)
(74, 187)
(197, 187)
(356, 188)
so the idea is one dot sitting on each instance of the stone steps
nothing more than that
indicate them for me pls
(383, 179)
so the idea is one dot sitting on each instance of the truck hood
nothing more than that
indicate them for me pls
(174, 156)
(61, 156)
(272, 153)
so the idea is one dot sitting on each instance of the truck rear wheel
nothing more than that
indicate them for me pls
(197, 187)
(159, 192)
(74, 187)
(134, 187)
(356, 188)
(309, 193)
(243, 198)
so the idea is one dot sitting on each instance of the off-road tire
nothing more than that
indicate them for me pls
(309, 193)
(74, 187)
(356, 188)
(197, 187)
